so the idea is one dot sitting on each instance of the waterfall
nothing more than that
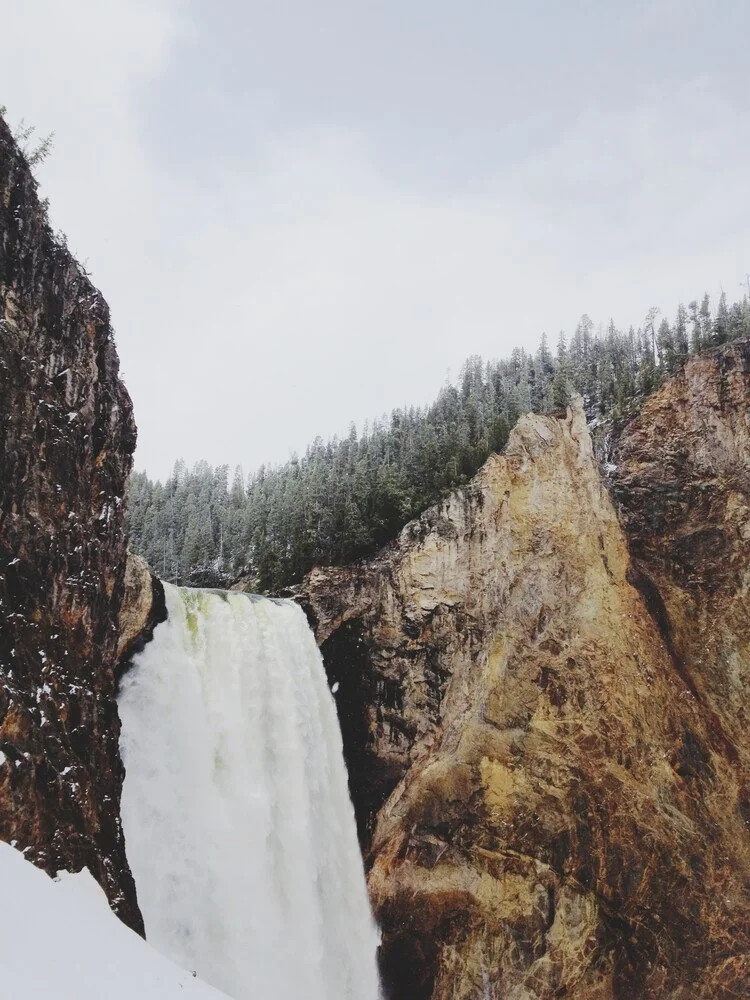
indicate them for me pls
(238, 824)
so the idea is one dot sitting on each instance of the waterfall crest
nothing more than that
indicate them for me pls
(238, 824)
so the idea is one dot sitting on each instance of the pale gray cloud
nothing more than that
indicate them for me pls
(278, 264)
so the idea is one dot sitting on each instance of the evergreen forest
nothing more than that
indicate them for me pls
(345, 498)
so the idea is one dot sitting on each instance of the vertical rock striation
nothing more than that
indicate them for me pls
(681, 481)
(550, 804)
(66, 440)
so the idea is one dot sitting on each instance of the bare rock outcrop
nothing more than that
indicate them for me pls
(66, 440)
(137, 601)
(143, 607)
(550, 803)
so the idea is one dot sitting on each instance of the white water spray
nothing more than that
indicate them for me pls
(237, 817)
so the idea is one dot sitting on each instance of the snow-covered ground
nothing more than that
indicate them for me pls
(59, 940)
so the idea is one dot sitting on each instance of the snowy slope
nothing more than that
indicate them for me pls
(59, 940)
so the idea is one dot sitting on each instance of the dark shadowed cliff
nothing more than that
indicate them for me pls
(66, 440)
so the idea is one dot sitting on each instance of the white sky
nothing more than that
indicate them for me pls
(304, 214)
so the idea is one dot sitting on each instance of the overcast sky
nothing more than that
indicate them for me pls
(307, 212)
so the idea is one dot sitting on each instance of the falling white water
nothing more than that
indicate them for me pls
(238, 823)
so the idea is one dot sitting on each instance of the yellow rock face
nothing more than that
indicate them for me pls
(135, 610)
(565, 815)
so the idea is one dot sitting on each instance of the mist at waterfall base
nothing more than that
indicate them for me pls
(238, 823)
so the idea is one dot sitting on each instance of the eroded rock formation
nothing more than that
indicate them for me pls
(682, 485)
(66, 441)
(143, 607)
(545, 731)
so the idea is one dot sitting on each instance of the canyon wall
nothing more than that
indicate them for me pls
(544, 711)
(542, 683)
(66, 440)
(681, 483)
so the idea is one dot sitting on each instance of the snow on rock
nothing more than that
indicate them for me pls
(60, 941)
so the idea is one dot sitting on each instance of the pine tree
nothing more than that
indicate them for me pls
(696, 333)
(721, 323)
(343, 499)
(681, 346)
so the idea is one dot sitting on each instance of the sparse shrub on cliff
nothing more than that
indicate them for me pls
(35, 150)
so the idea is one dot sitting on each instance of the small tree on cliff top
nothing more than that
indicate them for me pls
(35, 151)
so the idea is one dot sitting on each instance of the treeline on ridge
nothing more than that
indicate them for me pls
(346, 498)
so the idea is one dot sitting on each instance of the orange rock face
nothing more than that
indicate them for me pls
(543, 708)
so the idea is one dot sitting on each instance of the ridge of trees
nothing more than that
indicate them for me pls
(346, 498)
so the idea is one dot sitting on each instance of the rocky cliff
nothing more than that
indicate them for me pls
(66, 440)
(681, 482)
(542, 683)
(544, 711)
(143, 607)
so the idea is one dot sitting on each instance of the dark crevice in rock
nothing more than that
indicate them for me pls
(345, 655)
(407, 967)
